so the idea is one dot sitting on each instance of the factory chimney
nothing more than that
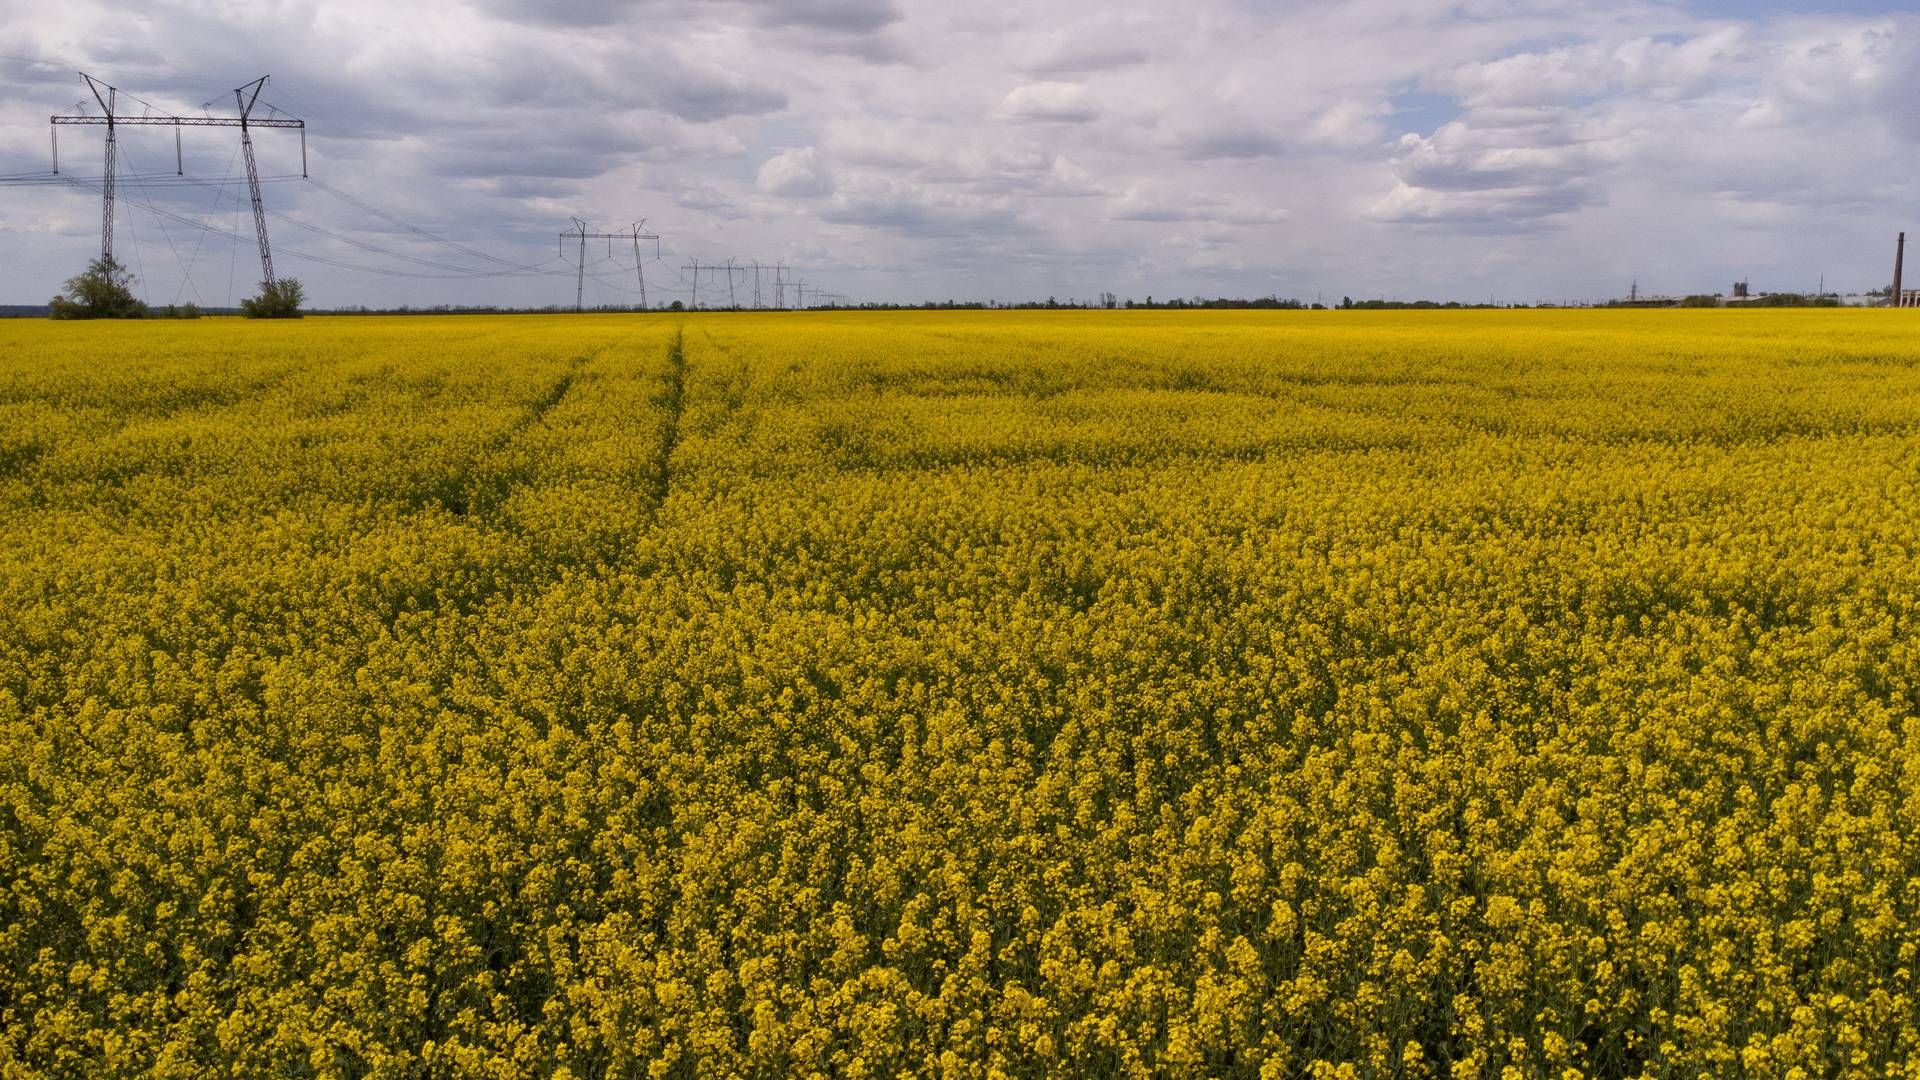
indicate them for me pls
(1899, 257)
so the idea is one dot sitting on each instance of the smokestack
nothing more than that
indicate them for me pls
(1899, 257)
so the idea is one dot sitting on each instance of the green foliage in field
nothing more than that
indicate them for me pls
(1081, 694)
(279, 299)
(103, 291)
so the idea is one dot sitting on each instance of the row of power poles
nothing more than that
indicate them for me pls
(738, 273)
(803, 294)
(767, 280)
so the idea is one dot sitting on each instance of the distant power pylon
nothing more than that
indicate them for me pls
(694, 266)
(245, 97)
(757, 267)
(633, 233)
(781, 283)
(693, 284)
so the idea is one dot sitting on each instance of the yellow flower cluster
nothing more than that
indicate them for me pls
(974, 694)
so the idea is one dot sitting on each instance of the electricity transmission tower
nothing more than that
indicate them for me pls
(694, 266)
(693, 283)
(244, 97)
(639, 268)
(756, 267)
(633, 233)
(781, 284)
(245, 101)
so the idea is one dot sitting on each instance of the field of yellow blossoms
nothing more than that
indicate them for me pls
(1060, 694)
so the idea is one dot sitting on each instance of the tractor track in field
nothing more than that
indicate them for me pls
(548, 401)
(673, 399)
(477, 490)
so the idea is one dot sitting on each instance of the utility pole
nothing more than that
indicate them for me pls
(579, 232)
(732, 301)
(693, 300)
(246, 97)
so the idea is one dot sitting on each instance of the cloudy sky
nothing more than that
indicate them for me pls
(1516, 150)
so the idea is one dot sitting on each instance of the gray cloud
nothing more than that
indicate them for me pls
(841, 16)
(1163, 206)
(902, 207)
(795, 173)
(1051, 102)
(563, 13)
(1086, 55)
(1217, 147)
(716, 96)
(1223, 142)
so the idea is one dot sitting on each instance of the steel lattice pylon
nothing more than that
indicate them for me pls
(246, 97)
(580, 232)
(246, 101)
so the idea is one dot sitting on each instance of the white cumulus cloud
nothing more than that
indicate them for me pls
(795, 173)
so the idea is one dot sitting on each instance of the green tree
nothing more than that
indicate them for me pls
(277, 300)
(103, 291)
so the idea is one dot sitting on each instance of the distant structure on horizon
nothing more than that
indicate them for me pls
(1897, 296)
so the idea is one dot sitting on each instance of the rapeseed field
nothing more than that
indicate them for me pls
(977, 694)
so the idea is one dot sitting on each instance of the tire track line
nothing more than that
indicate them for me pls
(672, 399)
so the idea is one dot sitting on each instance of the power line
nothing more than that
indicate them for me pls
(252, 112)
(166, 236)
(306, 255)
(200, 240)
(452, 270)
(416, 230)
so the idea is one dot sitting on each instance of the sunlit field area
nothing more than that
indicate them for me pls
(1133, 694)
